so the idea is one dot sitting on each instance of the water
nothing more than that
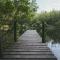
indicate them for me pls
(55, 48)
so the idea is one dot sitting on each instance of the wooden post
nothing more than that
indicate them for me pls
(43, 32)
(0, 50)
(15, 35)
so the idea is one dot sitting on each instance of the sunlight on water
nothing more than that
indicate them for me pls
(55, 49)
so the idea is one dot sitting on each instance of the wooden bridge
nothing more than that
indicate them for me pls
(29, 47)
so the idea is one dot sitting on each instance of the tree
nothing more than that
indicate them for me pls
(52, 25)
(16, 11)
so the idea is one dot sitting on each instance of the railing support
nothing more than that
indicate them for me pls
(43, 32)
(0, 50)
(15, 35)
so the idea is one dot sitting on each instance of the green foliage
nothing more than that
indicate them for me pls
(21, 11)
(52, 24)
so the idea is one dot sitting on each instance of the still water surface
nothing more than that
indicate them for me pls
(55, 48)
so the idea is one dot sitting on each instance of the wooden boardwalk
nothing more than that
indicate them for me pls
(29, 47)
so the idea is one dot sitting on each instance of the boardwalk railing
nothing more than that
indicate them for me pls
(29, 47)
(7, 33)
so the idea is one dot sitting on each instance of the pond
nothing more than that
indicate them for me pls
(55, 48)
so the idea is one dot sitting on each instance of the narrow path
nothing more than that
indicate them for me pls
(29, 47)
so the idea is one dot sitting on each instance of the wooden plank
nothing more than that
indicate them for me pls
(28, 47)
(18, 53)
(29, 59)
(29, 56)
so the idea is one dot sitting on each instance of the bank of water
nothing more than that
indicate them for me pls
(55, 48)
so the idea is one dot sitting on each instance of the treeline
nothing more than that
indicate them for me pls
(51, 24)
(24, 13)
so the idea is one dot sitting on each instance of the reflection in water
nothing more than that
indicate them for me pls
(55, 49)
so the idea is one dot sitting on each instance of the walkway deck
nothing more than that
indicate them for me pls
(29, 47)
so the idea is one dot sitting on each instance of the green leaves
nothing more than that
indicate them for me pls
(51, 22)
(9, 8)
(1, 7)
(16, 8)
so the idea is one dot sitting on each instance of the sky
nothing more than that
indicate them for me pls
(48, 5)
